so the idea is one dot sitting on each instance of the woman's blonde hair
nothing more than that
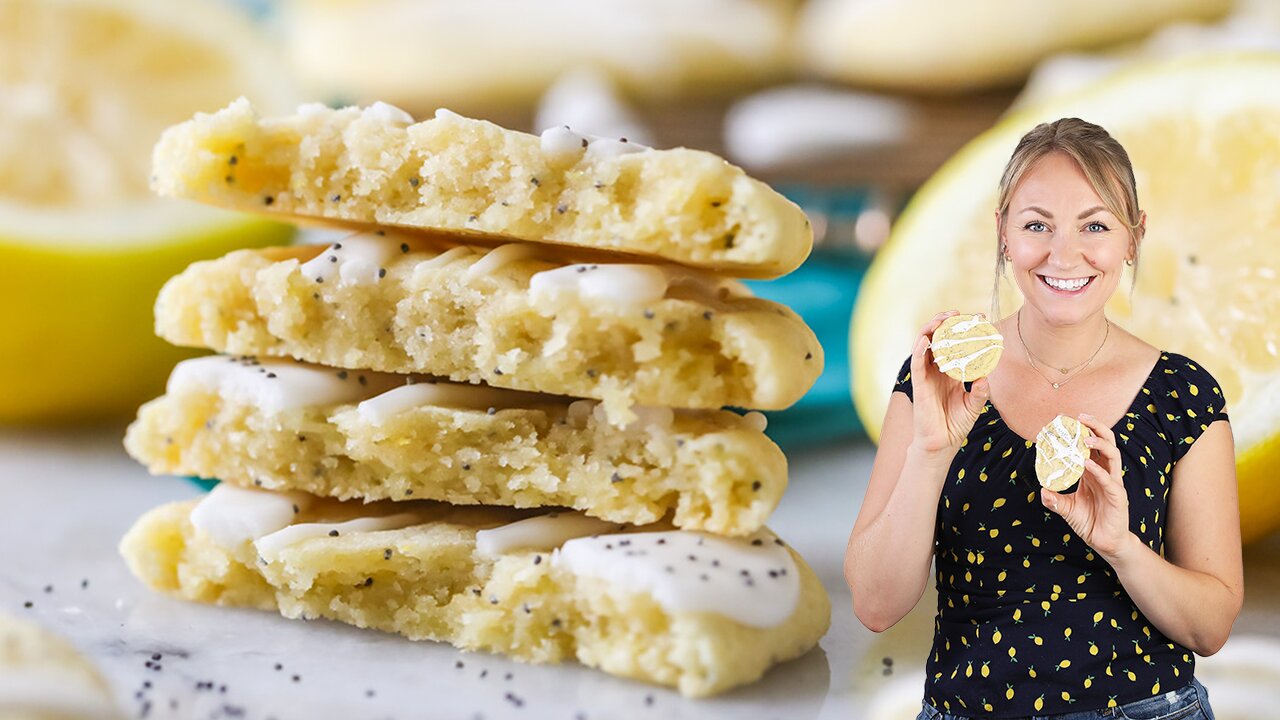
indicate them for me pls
(1105, 164)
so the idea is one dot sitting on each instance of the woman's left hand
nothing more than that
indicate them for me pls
(1099, 508)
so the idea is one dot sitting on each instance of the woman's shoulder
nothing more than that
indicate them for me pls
(1193, 377)
(1189, 400)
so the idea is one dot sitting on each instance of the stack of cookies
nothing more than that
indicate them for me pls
(492, 415)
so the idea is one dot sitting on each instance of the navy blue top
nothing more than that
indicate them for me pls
(1030, 620)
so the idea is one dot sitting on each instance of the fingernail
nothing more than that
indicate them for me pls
(1086, 416)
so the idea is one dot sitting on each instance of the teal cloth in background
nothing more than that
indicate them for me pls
(822, 291)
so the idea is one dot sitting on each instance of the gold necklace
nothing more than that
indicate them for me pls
(1064, 371)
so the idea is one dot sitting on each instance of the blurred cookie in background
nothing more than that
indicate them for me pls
(43, 677)
(482, 54)
(1252, 25)
(937, 46)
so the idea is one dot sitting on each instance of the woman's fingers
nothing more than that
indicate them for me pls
(1105, 479)
(929, 327)
(976, 398)
(1057, 502)
(925, 337)
(1104, 441)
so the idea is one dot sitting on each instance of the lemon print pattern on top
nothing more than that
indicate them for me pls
(1030, 620)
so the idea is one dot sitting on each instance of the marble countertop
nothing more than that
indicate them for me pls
(68, 498)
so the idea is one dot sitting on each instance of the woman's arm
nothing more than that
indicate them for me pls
(887, 560)
(1194, 594)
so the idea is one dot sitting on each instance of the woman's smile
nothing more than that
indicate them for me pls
(1066, 287)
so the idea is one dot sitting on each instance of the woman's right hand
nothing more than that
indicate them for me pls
(942, 413)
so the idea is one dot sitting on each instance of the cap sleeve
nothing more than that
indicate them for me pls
(903, 383)
(1199, 403)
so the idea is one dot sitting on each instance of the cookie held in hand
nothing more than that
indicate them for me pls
(966, 347)
(1061, 452)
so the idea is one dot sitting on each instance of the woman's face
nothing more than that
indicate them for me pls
(1059, 231)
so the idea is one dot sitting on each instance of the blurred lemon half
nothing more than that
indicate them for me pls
(86, 87)
(1203, 133)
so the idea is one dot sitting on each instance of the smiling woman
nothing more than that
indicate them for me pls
(1058, 605)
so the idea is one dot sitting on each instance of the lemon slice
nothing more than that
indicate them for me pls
(1203, 133)
(86, 87)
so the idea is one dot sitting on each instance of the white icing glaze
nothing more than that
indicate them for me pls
(751, 580)
(580, 410)
(502, 255)
(967, 324)
(274, 385)
(269, 546)
(441, 260)
(378, 409)
(357, 259)
(625, 283)
(231, 515)
(1063, 447)
(561, 143)
(953, 342)
(387, 113)
(609, 148)
(543, 532)
(646, 416)
(447, 114)
(586, 99)
(963, 361)
(756, 420)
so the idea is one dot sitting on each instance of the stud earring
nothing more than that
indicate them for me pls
(1128, 261)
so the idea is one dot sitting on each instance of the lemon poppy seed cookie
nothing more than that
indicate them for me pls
(966, 347)
(622, 333)
(44, 677)
(455, 174)
(698, 612)
(1061, 452)
(283, 425)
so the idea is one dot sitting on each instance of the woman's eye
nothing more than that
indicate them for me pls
(1100, 227)
(1034, 226)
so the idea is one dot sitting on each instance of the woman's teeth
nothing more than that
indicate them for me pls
(1066, 285)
